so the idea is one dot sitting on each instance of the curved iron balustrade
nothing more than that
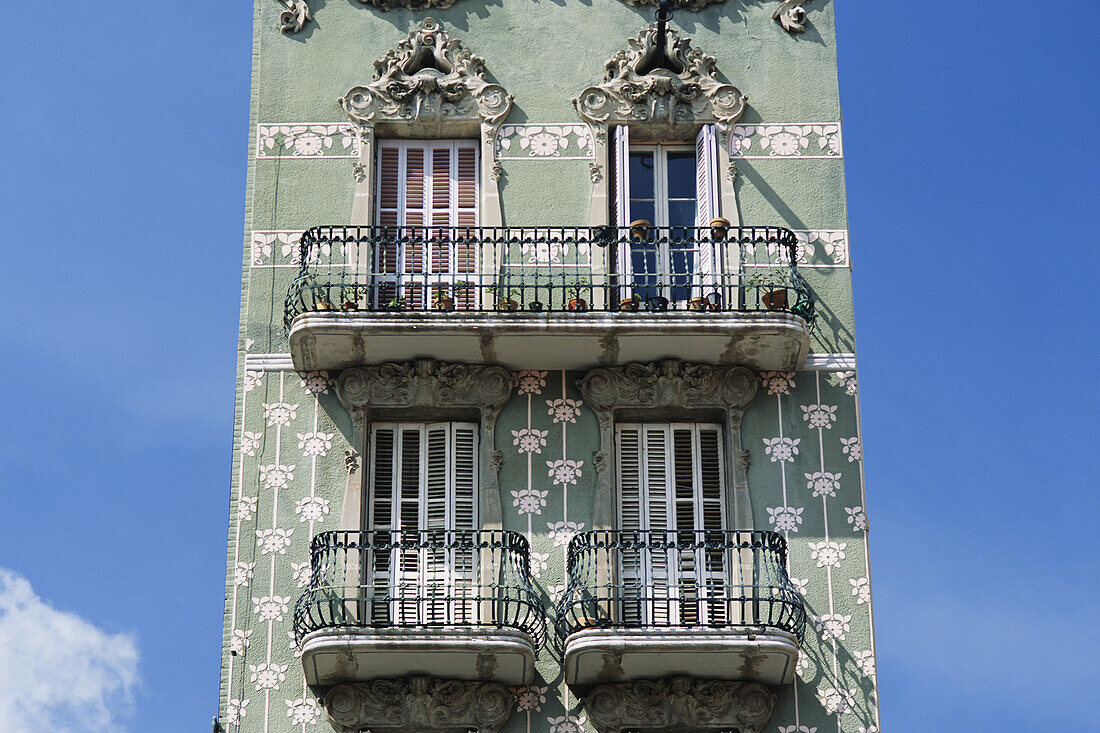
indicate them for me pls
(425, 578)
(681, 579)
(386, 268)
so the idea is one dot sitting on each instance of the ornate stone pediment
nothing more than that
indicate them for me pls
(680, 704)
(417, 704)
(424, 383)
(430, 77)
(668, 384)
(672, 89)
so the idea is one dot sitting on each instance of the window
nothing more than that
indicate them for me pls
(427, 194)
(671, 491)
(423, 477)
(673, 187)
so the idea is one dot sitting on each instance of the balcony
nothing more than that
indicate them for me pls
(558, 297)
(656, 604)
(448, 604)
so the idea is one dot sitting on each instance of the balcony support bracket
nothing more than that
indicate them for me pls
(680, 704)
(415, 704)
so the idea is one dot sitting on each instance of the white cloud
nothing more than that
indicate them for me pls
(58, 671)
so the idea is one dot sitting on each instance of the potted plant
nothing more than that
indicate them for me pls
(397, 304)
(656, 303)
(771, 287)
(631, 303)
(639, 228)
(697, 303)
(719, 228)
(351, 299)
(443, 297)
(506, 300)
(577, 303)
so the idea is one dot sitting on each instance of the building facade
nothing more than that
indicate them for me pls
(547, 411)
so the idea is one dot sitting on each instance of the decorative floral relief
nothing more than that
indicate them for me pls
(861, 589)
(556, 253)
(529, 501)
(828, 553)
(311, 509)
(800, 584)
(315, 444)
(279, 413)
(302, 711)
(786, 141)
(564, 409)
(852, 448)
(268, 676)
(316, 382)
(307, 140)
(868, 729)
(301, 571)
(246, 507)
(235, 710)
(289, 249)
(270, 608)
(819, 416)
(529, 381)
(251, 381)
(292, 642)
(240, 641)
(564, 471)
(250, 442)
(538, 563)
(778, 382)
(567, 724)
(242, 574)
(865, 660)
(529, 698)
(276, 476)
(544, 142)
(856, 518)
(805, 667)
(834, 626)
(819, 247)
(797, 729)
(782, 449)
(555, 592)
(274, 540)
(845, 380)
(823, 483)
(785, 518)
(834, 700)
(562, 532)
(530, 440)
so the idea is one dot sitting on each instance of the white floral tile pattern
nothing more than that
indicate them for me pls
(828, 553)
(243, 573)
(301, 572)
(529, 501)
(268, 675)
(315, 444)
(785, 518)
(303, 711)
(834, 626)
(529, 381)
(274, 540)
(317, 382)
(781, 449)
(852, 448)
(544, 142)
(845, 380)
(270, 608)
(539, 563)
(835, 700)
(567, 724)
(276, 476)
(564, 471)
(778, 382)
(865, 660)
(823, 483)
(819, 416)
(280, 413)
(530, 698)
(563, 532)
(564, 410)
(311, 509)
(802, 140)
(307, 140)
(240, 641)
(529, 440)
(820, 248)
(856, 518)
(235, 710)
(246, 507)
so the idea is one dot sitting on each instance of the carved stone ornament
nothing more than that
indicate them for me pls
(295, 17)
(791, 15)
(679, 90)
(429, 77)
(665, 386)
(668, 384)
(425, 383)
(680, 704)
(416, 704)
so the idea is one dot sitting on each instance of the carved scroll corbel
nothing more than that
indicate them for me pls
(295, 17)
(791, 15)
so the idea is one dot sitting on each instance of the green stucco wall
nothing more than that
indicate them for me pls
(802, 430)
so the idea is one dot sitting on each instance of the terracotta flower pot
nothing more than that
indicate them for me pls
(578, 304)
(444, 303)
(628, 304)
(719, 228)
(507, 305)
(697, 304)
(775, 300)
(322, 306)
(639, 228)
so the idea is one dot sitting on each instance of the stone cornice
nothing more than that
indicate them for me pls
(680, 703)
(668, 384)
(431, 78)
(665, 95)
(425, 383)
(415, 704)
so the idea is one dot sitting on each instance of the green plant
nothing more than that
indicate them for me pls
(772, 278)
(503, 293)
(576, 287)
(398, 304)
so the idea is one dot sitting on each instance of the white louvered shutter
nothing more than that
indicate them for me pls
(632, 573)
(427, 192)
(622, 206)
(423, 477)
(706, 197)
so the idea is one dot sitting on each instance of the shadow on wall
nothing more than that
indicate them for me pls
(831, 681)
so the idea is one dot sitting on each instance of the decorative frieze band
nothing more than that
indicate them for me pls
(307, 140)
(819, 248)
(787, 140)
(566, 141)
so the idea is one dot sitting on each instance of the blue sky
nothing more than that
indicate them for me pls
(970, 144)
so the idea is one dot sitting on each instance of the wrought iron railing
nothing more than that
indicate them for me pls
(684, 579)
(425, 578)
(385, 268)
